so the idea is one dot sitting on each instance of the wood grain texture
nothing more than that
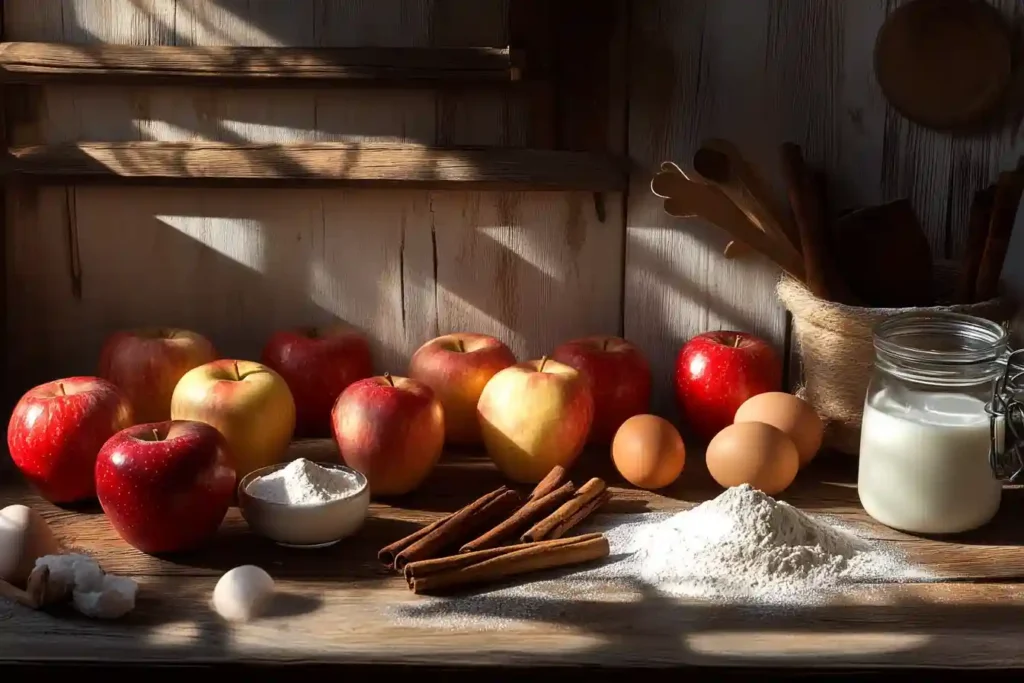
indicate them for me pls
(340, 606)
(531, 268)
(235, 66)
(309, 163)
(691, 79)
(402, 265)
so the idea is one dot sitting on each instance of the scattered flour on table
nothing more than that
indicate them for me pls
(303, 482)
(742, 548)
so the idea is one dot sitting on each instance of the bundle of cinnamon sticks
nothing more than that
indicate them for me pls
(989, 228)
(471, 545)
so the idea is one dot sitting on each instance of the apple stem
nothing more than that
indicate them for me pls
(543, 362)
(462, 347)
(604, 344)
(156, 434)
(736, 342)
(61, 386)
(387, 376)
(238, 375)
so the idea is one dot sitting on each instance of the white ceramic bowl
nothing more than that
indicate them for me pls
(304, 526)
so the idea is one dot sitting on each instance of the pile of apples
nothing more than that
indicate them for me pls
(161, 436)
(164, 432)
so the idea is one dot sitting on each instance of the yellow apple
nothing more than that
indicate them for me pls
(534, 416)
(247, 402)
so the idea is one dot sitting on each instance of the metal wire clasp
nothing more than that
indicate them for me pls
(1006, 419)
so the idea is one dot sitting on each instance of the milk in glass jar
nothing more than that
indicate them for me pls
(933, 452)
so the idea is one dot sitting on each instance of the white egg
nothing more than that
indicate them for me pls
(24, 537)
(243, 593)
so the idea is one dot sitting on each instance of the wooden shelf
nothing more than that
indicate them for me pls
(40, 63)
(207, 164)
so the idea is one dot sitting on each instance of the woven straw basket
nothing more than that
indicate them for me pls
(836, 348)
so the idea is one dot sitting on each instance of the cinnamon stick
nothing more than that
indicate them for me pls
(388, 553)
(977, 233)
(583, 498)
(549, 483)
(535, 557)
(461, 526)
(583, 513)
(524, 517)
(1009, 188)
(416, 570)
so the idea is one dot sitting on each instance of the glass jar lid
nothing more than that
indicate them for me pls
(944, 349)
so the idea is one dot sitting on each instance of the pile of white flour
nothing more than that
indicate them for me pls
(743, 548)
(303, 482)
(747, 546)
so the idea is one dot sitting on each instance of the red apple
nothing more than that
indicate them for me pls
(457, 367)
(620, 380)
(318, 364)
(716, 372)
(57, 429)
(392, 430)
(165, 486)
(147, 364)
(534, 416)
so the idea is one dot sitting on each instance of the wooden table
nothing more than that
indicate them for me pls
(339, 604)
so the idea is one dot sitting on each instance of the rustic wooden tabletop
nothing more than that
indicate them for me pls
(339, 606)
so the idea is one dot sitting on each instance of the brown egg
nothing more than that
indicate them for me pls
(648, 452)
(753, 453)
(24, 537)
(789, 413)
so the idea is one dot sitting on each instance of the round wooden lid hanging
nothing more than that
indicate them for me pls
(944, 64)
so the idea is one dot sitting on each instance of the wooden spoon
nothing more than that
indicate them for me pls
(720, 163)
(685, 197)
(661, 185)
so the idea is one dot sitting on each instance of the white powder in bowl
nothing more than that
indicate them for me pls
(303, 482)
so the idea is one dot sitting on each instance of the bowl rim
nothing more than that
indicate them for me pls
(244, 482)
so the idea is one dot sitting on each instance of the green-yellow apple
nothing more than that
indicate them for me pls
(534, 416)
(146, 364)
(457, 367)
(391, 429)
(247, 402)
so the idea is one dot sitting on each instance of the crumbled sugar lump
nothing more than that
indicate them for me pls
(92, 592)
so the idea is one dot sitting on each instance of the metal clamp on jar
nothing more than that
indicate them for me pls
(932, 455)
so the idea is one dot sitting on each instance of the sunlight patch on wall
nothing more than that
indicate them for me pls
(238, 239)
(524, 250)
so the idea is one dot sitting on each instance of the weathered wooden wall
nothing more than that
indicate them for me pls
(761, 72)
(532, 268)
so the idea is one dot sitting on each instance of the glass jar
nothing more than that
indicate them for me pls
(929, 440)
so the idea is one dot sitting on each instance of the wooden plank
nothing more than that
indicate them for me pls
(238, 66)
(827, 488)
(339, 606)
(337, 622)
(366, 164)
